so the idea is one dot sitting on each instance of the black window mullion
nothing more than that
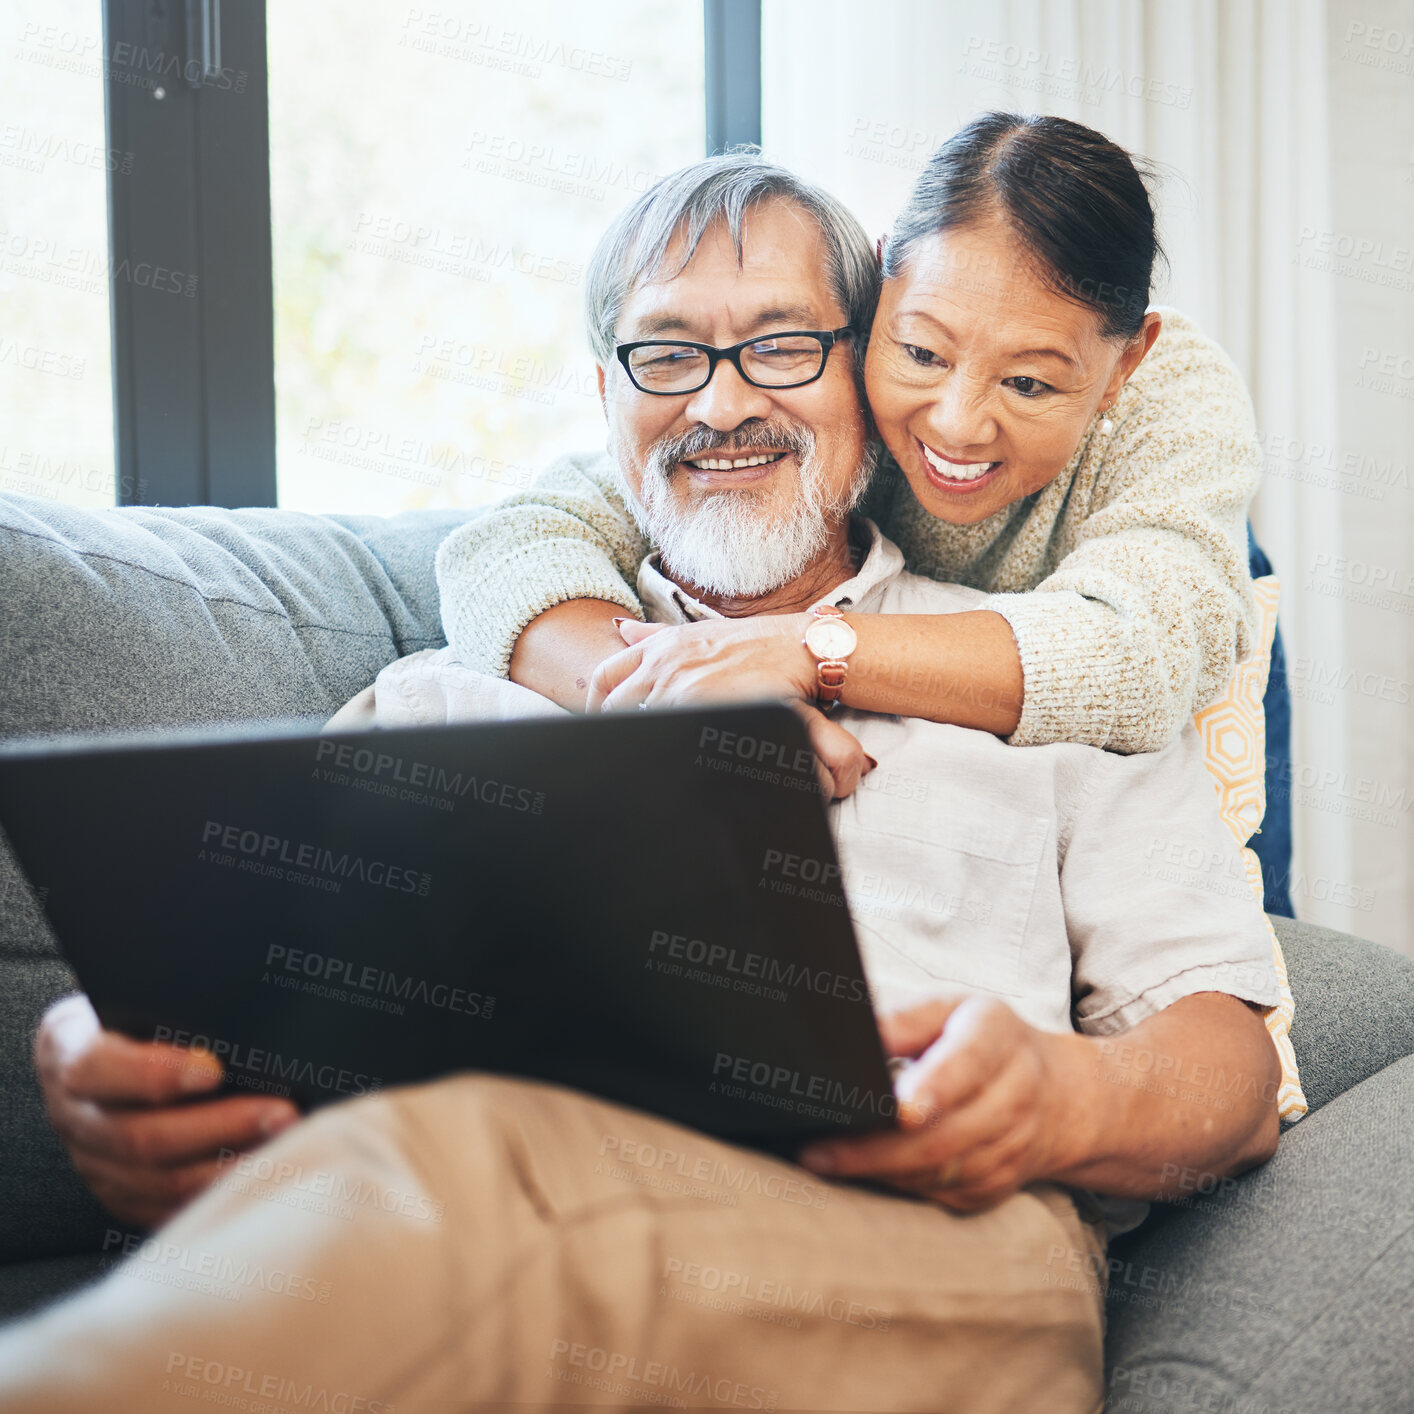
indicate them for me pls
(189, 251)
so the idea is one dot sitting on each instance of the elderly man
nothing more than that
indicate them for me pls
(541, 1247)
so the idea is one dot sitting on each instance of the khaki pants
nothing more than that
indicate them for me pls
(491, 1244)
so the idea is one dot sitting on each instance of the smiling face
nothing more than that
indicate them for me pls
(740, 487)
(982, 379)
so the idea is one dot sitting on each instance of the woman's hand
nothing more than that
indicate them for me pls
(717, 660)
(681, 664)
(979, 1112)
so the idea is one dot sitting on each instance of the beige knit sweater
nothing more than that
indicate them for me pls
(1125, 581)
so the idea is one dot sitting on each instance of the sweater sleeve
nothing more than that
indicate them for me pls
(1142, 623)
(569, 537)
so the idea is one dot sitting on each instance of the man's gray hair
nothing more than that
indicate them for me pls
(689, 202)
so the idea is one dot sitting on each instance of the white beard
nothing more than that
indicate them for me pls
(727, 542)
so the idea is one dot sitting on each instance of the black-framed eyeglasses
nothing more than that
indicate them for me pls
(670, 367)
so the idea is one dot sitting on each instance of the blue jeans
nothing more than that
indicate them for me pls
(1272, 845)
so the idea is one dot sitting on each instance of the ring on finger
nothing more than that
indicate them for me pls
(945, 1175)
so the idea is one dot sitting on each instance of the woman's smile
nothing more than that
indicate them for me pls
(953, 474)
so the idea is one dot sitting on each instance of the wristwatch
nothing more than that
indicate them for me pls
(831, 640)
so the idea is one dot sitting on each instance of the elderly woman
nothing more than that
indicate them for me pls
(1086, 460)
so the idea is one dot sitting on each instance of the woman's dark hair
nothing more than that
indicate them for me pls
(1075, 201)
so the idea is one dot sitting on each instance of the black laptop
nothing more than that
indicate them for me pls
(644, 906)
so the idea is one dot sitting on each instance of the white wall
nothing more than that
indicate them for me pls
(1365, 676)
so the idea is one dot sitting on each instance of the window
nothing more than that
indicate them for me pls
(56, 399)
(439, 177)
(339, 244)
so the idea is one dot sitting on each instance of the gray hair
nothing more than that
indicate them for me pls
(689, 202)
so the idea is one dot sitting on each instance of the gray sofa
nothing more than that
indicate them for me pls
(1292, 1289)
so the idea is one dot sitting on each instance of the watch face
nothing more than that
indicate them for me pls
(830, 638)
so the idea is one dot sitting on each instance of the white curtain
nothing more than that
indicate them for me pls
(1235, 100)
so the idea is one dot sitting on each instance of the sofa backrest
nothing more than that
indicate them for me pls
(131, 618)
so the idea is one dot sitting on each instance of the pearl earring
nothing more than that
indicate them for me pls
(1106, 426)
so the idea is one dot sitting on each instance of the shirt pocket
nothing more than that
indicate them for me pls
(941, 889)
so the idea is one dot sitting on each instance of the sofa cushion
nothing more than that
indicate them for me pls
(1288, 1289)
(45, 1209)
(26, 1287)
(134, 617)
(1354, 1006)
(131, 618)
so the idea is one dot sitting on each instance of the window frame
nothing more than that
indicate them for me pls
(191, 292)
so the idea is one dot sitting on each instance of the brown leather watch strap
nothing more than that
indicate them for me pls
(829, 672)
(829, 681)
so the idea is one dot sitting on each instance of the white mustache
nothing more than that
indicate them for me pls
(699, 441)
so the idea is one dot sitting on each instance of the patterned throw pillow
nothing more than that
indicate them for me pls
(1234, 733)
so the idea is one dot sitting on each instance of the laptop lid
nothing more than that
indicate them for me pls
(645, 906)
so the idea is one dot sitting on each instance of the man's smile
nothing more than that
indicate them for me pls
(735, 468)
(734, 462)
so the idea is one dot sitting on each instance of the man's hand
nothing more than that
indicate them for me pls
(125, 1112)
(840, 761)
(976, 1108)
(993, 1104)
